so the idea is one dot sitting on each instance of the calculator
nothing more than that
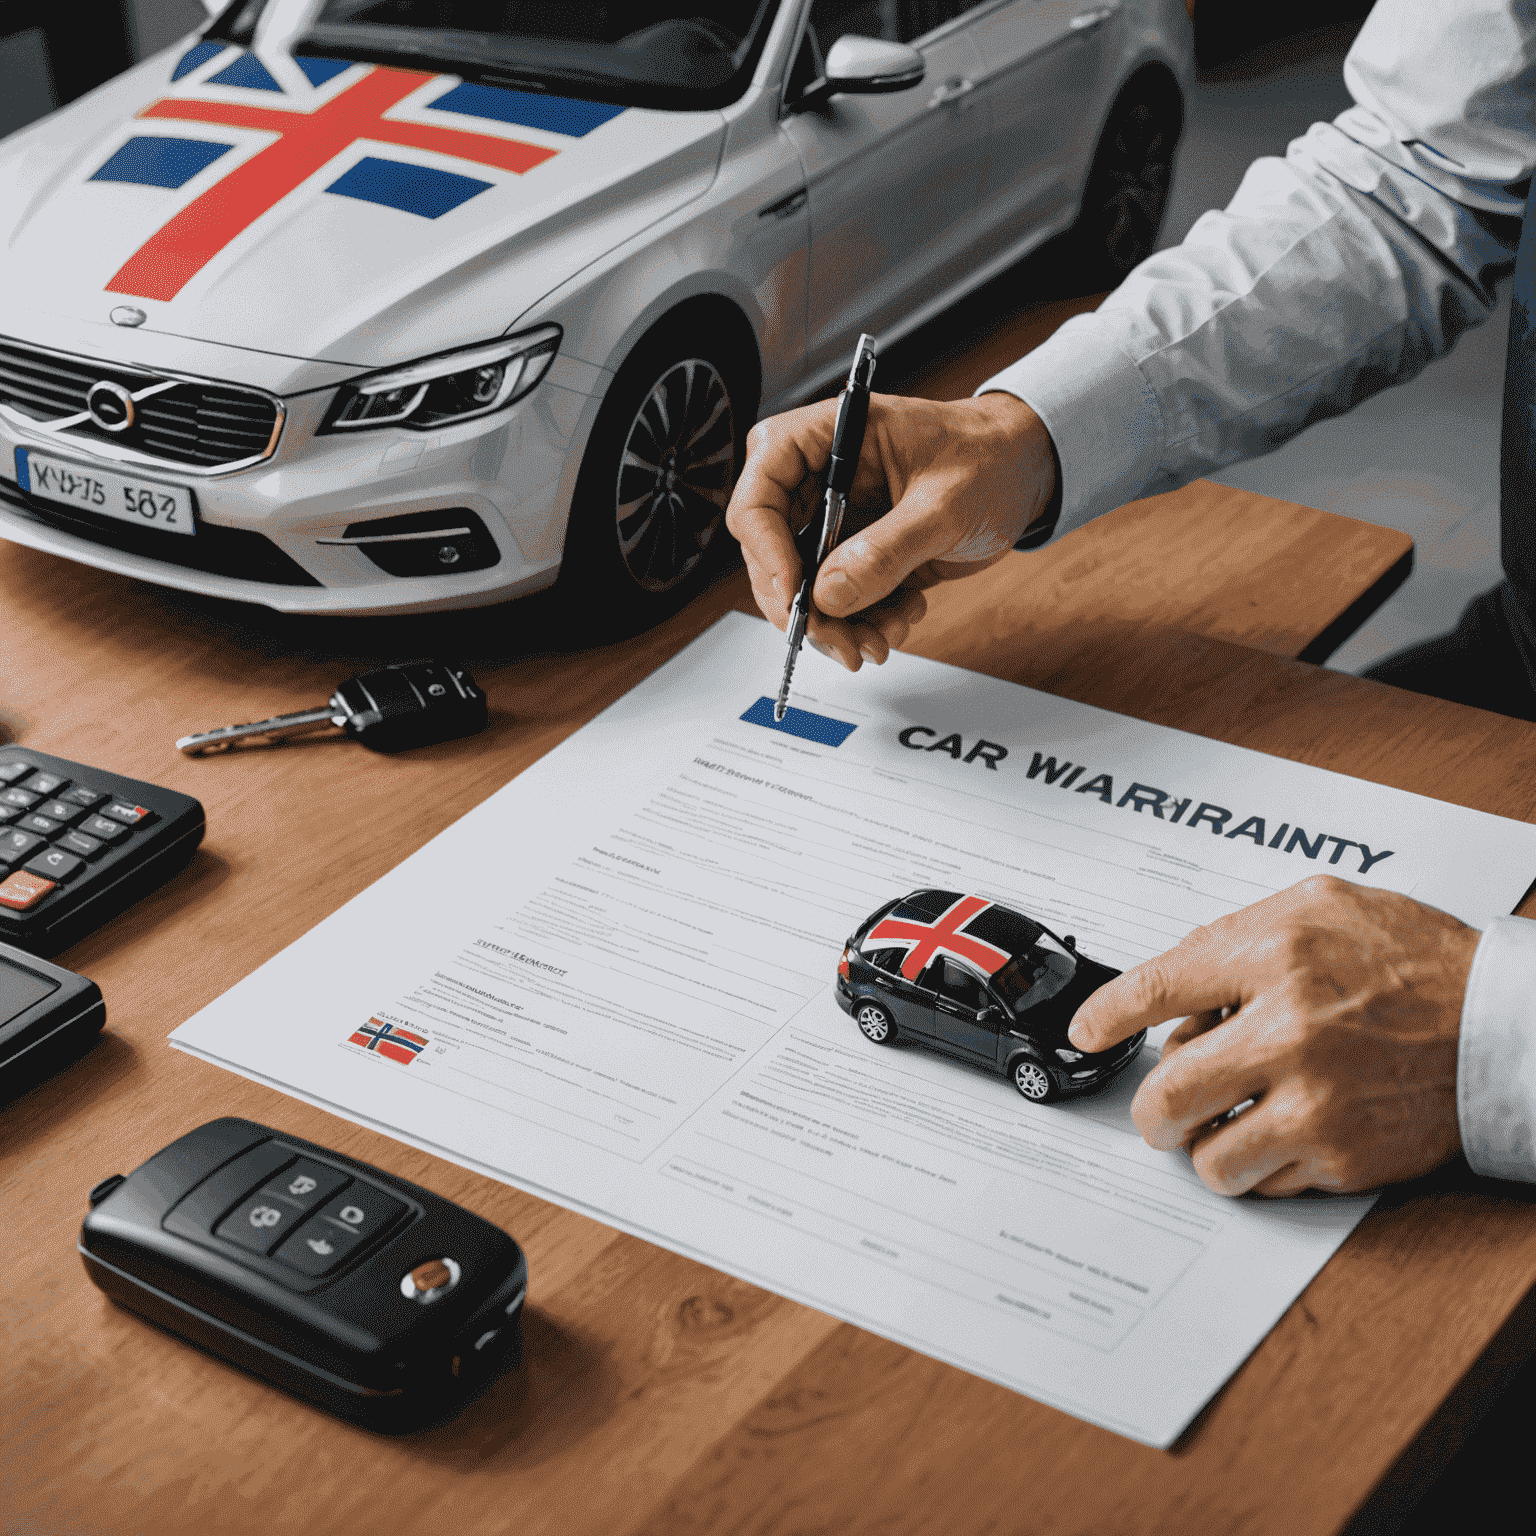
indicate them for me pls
(363, 1294)
(78, 844)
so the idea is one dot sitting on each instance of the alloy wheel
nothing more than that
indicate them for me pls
(676, 474)
(1032, 1080)
(874, 1023)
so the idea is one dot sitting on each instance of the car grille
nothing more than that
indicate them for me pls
(192, 422)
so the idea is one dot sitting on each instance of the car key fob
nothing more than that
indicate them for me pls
(414, 705)
(360, 1293)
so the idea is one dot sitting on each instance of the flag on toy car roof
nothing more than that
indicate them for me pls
(402, 1045)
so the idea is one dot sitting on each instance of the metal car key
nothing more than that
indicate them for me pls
(414, 704)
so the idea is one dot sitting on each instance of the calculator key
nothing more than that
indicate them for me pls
(61, 811)
(129, 815)
(44, 783)
(319, 1246)
(44, 826)
(259, 1223)
(16, 846)
(84, 796)
(8, 813)
(22, 799)
(11, 771)
(21, 890)
(107, 831)
(306, 1184)
(86, 847)
(361, 1209)
(55, 864)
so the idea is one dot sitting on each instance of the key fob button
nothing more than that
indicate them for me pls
(428, 1281)
(259, 1223)
(363, 1209)
(319, 1246)
(306, 1184)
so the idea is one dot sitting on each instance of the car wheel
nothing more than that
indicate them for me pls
(1032, 1080)
(875, 1023)
(648, 515)
(1127, 189)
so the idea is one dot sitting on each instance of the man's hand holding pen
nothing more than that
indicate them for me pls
(961, 481)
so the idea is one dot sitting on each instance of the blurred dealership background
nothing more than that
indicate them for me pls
(1422, 457)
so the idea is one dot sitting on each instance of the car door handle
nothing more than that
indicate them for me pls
(786, 207)
(1089, 21)
(952, 90)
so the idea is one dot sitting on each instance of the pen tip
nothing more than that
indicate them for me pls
(778, 713)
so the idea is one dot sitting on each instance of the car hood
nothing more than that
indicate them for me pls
(352, 214)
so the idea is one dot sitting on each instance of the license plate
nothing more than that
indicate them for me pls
(127, 498)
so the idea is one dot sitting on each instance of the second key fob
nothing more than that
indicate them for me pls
(354, 1290)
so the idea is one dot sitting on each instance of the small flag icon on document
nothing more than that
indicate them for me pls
(389, 1040)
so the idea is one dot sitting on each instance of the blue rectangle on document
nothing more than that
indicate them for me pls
(801, 722)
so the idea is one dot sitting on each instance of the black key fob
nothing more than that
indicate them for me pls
(369, 1297)
(47, 1015)
(414, 705)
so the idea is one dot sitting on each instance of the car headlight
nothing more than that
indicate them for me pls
(1068, 1055)
(439, 391)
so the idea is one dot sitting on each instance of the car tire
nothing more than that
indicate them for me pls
(1032, 1079)
(1127, 189)
(647, 523)
(875, 1023)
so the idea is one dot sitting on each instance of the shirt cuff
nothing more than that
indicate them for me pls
(1102, 415)
(1496, 1056)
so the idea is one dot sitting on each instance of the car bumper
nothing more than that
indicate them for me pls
(1070, 1084)
(515, 472)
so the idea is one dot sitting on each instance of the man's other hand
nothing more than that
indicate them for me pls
(1335, 1008)
(962, 480)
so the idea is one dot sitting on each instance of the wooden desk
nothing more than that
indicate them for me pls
(659, 1395)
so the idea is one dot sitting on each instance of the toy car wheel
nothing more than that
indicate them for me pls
(1127, 189)
(648, 514)
(1032, 1080)
(875, 1023)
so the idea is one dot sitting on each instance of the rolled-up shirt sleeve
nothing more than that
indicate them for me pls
(1334, 272)
(1496, 1056)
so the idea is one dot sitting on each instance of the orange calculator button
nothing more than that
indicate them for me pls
(21, 890)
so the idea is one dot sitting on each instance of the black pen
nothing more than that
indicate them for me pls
(847, 443)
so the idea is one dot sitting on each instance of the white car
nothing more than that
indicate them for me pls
(350, 306)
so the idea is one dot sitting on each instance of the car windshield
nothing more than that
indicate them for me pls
(1036, 975)
(678, 55)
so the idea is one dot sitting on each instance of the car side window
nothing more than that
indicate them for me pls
(885, 959)
(960, 984)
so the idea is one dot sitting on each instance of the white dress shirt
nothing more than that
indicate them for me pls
(1333, 273)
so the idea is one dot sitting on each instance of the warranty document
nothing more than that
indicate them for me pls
(612, 984)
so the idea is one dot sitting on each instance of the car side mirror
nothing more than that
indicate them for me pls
(991, 1014)
(865, 66)
(1070, 942)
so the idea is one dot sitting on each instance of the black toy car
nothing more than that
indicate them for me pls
(978, 981)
